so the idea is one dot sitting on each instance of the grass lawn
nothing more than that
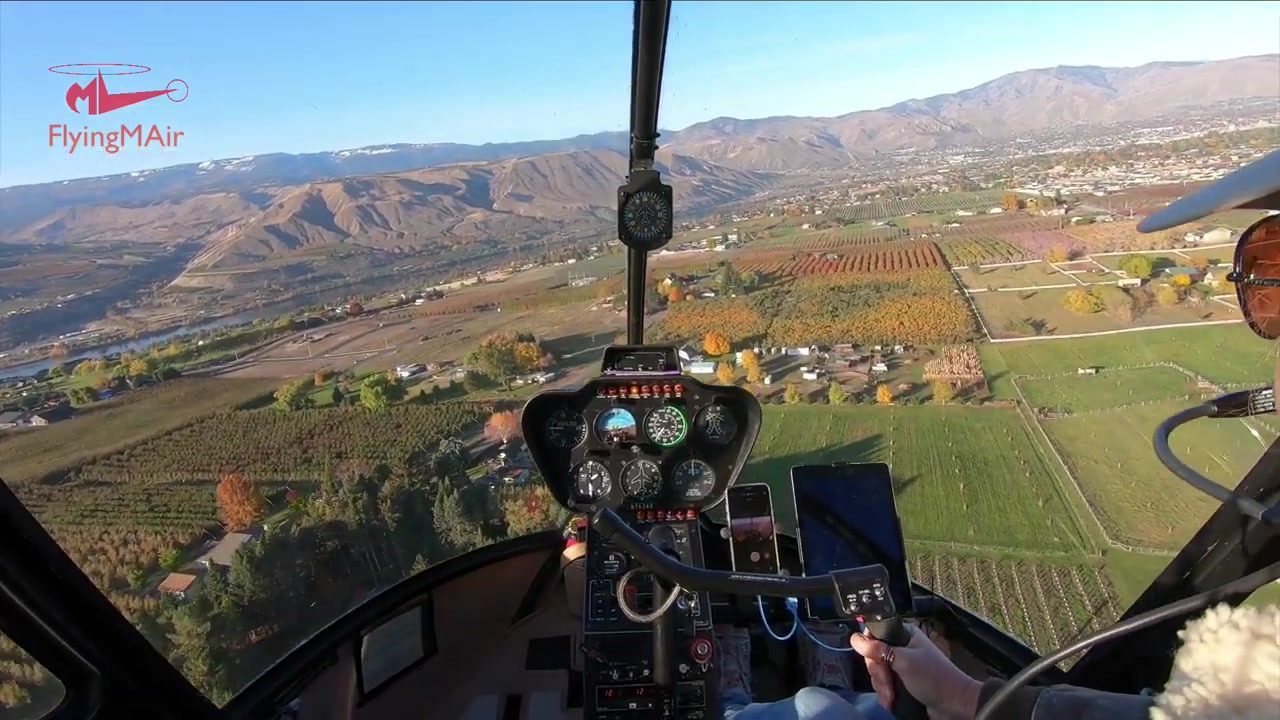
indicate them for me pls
(1039, 274)
(1108, 389)
(970, 476)
(1132, 573)
(1138, 500)
(1229, 354)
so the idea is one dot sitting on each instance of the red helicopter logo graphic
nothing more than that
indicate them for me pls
(99, 99)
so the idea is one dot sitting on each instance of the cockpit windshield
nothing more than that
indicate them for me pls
(274, 291)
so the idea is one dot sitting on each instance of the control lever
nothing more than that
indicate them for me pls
(663, 539)
(893, 632)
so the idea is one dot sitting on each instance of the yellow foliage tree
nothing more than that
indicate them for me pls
(1082, 302)
(1167, 296)
(791, 395)
(1010, 202)
(943, 392)
(755, 375)
(724, 374)
(884, 395)
(1182, 281)
(750, 361)
(1058, 255)
(715, 344)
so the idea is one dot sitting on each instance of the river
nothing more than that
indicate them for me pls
(144, 342)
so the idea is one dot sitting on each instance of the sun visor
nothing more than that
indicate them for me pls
(1255, 186)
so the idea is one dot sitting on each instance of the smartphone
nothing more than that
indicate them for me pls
(753, 541)
(846, 517)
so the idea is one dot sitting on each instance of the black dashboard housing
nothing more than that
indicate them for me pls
(640, 393)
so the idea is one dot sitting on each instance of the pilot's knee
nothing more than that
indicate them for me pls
(815, 703)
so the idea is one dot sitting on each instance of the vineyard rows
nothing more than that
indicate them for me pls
(833, 238)
(112, 531)
(1045, 604)
(884, 257)
(946, 202)
(979, 250)
(270, 446)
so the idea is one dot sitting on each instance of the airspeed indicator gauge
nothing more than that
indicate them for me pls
(666, 426)
(566, 429)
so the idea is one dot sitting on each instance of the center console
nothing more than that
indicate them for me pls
(658, 448)
(618, 652)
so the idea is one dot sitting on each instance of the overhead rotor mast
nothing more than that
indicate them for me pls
(648, 52)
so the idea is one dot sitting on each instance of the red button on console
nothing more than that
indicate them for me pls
(701, 650)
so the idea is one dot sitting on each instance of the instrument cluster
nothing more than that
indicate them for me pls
(660, 441)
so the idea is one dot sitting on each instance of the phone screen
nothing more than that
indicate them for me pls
(751, 531)
(846, 517)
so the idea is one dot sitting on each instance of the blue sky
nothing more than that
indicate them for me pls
(303, 77)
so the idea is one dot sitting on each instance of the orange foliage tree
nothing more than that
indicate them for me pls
(503, 426)
(355, 308)
(675, 295)
(715, 344)
(240, 504)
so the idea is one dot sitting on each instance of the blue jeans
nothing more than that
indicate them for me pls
(810, 703)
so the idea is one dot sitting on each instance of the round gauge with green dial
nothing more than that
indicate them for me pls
(666, 426)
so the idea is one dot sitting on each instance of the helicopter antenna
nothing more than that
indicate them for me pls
(648, 52)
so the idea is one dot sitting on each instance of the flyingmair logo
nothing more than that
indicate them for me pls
(98, 100)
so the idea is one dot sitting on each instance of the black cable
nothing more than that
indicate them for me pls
(1244, 585)
(1216, 408)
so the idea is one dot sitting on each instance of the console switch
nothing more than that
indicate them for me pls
(701, 650)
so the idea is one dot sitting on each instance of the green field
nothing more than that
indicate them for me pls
(1108, 389)
(1138, 500)
(1229, 354)
(1040, 274)
(968, 476)
(1046, 306)
(1132, 573)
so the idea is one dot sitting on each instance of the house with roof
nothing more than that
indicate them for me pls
(49, 416)
(1210, 234)
(12, 419)
(180, 585)
(223, 553)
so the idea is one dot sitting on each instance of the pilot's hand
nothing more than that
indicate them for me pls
(926, 673)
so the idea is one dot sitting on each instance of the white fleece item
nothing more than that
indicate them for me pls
(1228, 667)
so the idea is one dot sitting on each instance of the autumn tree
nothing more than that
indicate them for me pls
(355, 309)
(836, 394)
(943, 392)
(379, 390)
(884, 395)
(502, 426)
(1167, 296)
(1082, 302)
(750, 361)
(240, 504)
(1010, 202)
(294, 396)
(715, 344)
(675, 295)
(1182, 281)
(1058, 255)
(502, 355)
(1137, 266)
(791, 394)
(532, 510)
(321, 377)
(1118, 303)
(724, 373)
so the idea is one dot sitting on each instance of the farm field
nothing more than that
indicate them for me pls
(978, 250)
(103, 428)
(941, 202)
(1046, 306)
(955, 484)
(1108, 389)
(1226, 354)
(1132, 573)
(124, 510)
(1137, 499)
(877, 258)
(1046, 602)
(1038, 274)
(831, 239)
(1215, 256)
